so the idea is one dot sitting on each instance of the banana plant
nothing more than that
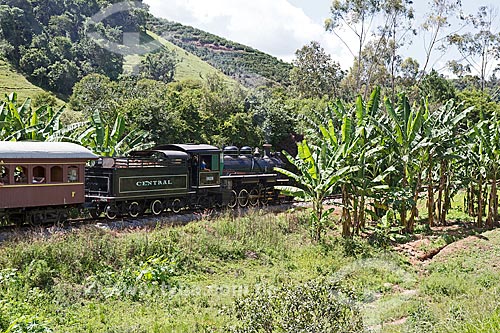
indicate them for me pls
(487, 139)
(401, 130)
(105, 140)
(22, 122)
(318, 174)
(443, 131)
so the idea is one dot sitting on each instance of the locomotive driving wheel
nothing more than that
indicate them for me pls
(243, 198)
(111, 212)
(234, 199)
(156, 207)
(134, 209)
(254, 197)
(176, 205)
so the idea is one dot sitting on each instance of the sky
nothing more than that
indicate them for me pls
(280, 27)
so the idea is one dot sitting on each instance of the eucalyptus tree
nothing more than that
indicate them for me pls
(398, 16)
(479, 47)
(356, 17)
(434, 29)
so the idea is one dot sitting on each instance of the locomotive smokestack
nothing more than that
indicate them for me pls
(267, 149)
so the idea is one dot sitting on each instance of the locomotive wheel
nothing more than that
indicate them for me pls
(176, 206)
(234, 199)
(110, 212)
(254, 197)
(156, 207)
(134, 209)
(95, 213)
(243, 198)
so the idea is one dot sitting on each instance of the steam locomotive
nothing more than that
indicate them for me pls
(41, 181)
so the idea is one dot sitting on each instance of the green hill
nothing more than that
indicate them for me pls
(12, 81)
(189, 66)
(54, 47)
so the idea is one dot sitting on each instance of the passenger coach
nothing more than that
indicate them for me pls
(39, 181)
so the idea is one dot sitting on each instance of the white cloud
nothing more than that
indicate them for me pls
(275, 27)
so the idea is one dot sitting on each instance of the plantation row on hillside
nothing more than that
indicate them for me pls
(247, 65)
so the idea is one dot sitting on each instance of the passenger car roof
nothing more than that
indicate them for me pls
(190, 148)
(44, 150)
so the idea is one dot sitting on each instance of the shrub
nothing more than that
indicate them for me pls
(29, 324)
(314, 306)
(39, 274)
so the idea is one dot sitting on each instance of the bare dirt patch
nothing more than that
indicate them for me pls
(443, 241)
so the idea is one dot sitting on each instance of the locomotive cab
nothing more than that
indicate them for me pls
(205, 170)
(204, 164)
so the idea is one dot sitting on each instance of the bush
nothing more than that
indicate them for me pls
(29, 324)
(314, 306)
(39, 274)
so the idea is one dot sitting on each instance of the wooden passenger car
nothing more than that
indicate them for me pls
(40, 180)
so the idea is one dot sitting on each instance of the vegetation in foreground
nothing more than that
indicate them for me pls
(256, 273)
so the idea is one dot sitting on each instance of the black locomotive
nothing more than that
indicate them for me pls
(179, 176)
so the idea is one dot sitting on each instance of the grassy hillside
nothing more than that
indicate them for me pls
(189, 66)
(12, 81)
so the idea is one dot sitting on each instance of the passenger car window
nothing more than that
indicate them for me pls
(20, 175)
(56, 174)
(4, 175)
(73, 174)
(38, 175)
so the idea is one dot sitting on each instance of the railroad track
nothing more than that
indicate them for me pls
(125, 222)
(17, 232)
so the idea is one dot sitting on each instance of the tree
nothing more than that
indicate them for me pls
(373, 72)
(357, 17)
(436, 88)
(159, 65)
(274, 116)
(398, 16)
(480, 48)
(435, 24)
(315, 74)
(62, 76)
(95, 92)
